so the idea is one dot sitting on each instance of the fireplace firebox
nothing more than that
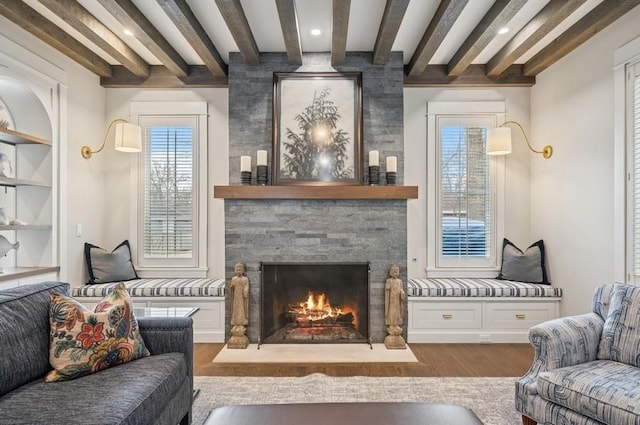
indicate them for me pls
(314, 302)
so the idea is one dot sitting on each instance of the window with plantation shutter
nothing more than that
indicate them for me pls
(171, 211)
(169, 215)
(634, 130)
(464, 205)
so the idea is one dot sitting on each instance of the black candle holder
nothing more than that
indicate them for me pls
(261, 174)
(245, 177)
(391, 178)
(374, 175)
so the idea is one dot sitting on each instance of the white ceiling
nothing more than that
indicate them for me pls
(364, 20)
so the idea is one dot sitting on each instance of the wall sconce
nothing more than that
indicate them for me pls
(128, 138)
(499, 141)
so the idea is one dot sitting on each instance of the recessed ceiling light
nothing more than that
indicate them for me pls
(128, 32)
(316, 31)
(503, 30)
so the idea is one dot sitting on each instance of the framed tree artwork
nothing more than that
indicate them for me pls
(317, 128)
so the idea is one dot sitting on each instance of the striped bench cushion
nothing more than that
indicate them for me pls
(158, 288)
(477, 287)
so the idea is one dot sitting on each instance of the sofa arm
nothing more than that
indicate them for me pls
(169, 335)
(562, 342)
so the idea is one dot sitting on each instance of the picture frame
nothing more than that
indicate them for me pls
(317, 128)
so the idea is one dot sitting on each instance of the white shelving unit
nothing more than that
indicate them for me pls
(26, 194)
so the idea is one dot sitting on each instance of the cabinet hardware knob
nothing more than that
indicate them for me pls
(521, 316)
(447, 316)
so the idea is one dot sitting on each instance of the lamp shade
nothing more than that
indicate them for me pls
(499, 141)
(128, 137)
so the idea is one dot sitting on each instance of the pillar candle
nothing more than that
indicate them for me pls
(245, 163)
(392, 164)
(261, 158)
(374, 158)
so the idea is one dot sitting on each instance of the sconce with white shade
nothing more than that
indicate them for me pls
(128, 138)
(499, 141)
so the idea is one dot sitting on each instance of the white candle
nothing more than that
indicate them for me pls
(374, 158)
(261, 158)
(245, 163)
(392, 164)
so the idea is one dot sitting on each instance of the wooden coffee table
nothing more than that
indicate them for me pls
(343, 413)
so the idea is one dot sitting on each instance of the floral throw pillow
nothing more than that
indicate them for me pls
(84, 341)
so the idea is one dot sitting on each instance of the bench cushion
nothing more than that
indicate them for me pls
(478, 287)
(170, 287)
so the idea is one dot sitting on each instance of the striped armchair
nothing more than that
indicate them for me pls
(585, 369)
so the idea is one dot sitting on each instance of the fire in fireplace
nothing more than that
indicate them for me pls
(314, 302)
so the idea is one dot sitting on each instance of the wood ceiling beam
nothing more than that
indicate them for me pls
(183, 18)
(546, 20)
(143, 30)
(446, 15)
(341, 9)
(30, 20)
(86, 24)
(497, 17)
(473, 76)
(394, 12)
(237, 23)
(290, 30)
(592, 23)
(161, 77)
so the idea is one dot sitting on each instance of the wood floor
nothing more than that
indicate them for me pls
(461, 360)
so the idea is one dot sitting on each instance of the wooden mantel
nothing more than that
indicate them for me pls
(315, 192)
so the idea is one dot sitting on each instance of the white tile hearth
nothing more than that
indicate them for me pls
(315, 353)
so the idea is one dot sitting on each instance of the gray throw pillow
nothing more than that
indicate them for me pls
(114, 266)
(525, 266)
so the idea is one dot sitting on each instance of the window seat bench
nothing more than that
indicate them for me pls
(468, 310)
(207, 294)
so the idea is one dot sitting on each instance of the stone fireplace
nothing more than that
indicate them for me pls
(261, 231)
(314, 302)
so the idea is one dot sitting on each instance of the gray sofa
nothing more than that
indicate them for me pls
(152, 390)
(571, 381)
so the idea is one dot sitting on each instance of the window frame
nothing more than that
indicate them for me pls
(632, 75)
(172, 267)
(463, 267)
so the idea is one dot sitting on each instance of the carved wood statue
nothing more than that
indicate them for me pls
(394, 299)
(239, 297)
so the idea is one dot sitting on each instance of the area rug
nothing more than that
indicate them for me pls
(315, 353)
(491, 399)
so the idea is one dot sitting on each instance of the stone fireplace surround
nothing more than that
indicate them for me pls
(294, 230)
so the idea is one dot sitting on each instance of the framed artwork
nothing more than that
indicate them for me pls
(317, 128)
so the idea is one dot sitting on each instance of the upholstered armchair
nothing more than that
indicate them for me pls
(585, 369)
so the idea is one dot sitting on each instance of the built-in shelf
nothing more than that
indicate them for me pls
(17, 138)
(11, 273)
(26, 227)
(315, 192)
(11, 182)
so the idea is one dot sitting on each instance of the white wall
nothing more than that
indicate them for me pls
(415, 156)
(81, 197)
(572, 194)
(117, 225)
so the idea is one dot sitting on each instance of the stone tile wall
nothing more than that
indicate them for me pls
(315, 230)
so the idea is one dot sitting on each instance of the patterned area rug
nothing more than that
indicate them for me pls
(491, 399)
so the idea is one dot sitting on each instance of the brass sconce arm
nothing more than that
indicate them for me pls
(546, 151)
